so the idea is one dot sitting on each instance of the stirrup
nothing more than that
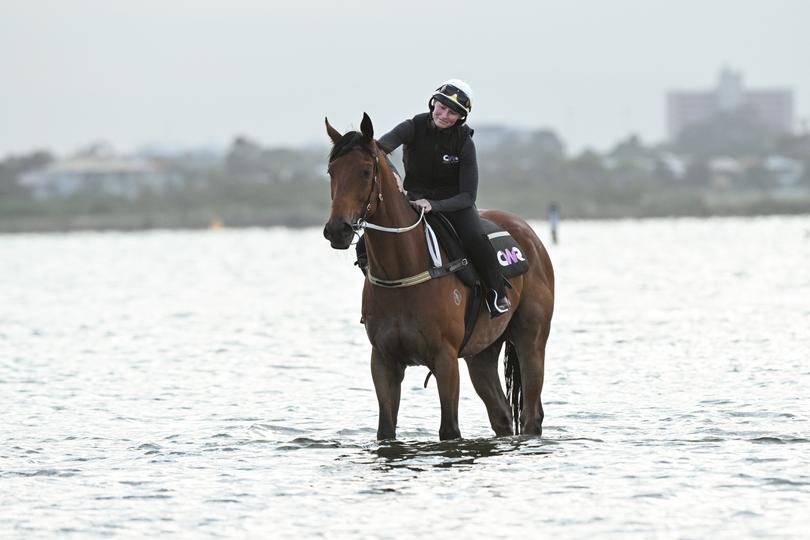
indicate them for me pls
(497, 304)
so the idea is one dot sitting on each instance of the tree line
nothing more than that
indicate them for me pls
(704, 172)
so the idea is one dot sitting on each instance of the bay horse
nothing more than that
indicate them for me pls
(424, 324)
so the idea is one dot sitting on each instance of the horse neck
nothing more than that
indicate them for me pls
(395, 255)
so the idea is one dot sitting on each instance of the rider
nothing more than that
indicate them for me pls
(441, 175)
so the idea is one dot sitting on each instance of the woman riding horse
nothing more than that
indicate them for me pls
(441, 175)
(422, 321)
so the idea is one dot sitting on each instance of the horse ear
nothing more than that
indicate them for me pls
(332, 132)
(366, 128)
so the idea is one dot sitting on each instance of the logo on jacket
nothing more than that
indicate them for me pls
(510, 256)
(447, 158)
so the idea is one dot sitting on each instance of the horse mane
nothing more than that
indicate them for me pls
(350, 141)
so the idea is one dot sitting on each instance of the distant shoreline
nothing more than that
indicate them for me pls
(137, 222)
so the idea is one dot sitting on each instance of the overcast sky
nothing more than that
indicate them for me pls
(198, 72)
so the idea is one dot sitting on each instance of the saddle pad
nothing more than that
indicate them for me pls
(510, 255)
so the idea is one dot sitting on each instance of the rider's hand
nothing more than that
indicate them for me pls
(422, 204)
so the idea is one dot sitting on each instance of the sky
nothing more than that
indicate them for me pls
(186, 74)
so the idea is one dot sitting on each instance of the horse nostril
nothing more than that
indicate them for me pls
(338, 233)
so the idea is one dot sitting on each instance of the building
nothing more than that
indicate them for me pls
(774, 106)
(102, 174)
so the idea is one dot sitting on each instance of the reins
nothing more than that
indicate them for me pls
(363, 224)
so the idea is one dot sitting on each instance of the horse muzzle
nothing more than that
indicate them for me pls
(339, 234)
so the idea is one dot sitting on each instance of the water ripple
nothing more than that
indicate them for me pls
(185, 384)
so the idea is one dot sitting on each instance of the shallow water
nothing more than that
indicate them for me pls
(216, 384)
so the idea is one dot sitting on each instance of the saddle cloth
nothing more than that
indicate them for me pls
(510, 254)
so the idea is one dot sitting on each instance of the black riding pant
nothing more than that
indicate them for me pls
(476, 245)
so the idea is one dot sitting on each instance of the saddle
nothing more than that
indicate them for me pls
(509, 253)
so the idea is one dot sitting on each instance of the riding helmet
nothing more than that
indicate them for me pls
(455, 94)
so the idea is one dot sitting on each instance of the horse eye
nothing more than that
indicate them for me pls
(366, 173)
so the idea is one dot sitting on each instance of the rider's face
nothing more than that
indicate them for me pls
(443, 116)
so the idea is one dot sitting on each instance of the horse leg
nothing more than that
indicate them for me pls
(531, 351)
(446, 371)
(483, 369)
(387, 378)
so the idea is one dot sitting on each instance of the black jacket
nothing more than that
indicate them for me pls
(440, 164)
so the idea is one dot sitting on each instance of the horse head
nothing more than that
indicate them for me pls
(353, 169)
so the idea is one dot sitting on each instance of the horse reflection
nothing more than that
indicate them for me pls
(446, 454)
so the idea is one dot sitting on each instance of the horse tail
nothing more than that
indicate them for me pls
(514, 390)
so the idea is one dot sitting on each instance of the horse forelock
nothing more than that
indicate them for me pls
(350, 141)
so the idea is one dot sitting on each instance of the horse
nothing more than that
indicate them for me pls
(424, 324)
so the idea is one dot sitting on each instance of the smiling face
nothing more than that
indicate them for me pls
(443, 116)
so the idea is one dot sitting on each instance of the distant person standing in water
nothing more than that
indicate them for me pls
(554, 220)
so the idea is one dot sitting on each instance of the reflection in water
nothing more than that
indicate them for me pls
(416, 454)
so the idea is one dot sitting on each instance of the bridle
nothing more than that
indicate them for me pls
(375, 183)
(362, 222)
(438, 268)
